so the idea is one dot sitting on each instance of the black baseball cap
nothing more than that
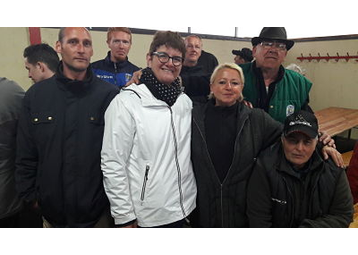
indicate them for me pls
(303, 122)
(245, 53)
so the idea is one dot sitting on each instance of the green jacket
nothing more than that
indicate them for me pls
(290, 94)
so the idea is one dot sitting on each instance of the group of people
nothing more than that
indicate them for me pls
(104, 145)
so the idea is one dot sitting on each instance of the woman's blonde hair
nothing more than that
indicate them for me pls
(229, 66)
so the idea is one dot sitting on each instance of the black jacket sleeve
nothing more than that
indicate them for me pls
(271, 129)
(26, 156)
(341, 211)
(259, 203)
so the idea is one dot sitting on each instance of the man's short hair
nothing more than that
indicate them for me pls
(111, 30)
(194, 36)
(61, 33)
(42, 53)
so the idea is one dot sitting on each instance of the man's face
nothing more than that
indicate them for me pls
(239, 60)
(120, 44)
(34, 71)
(76, 49)
(269, 57)
(298, 148)
(193, 47)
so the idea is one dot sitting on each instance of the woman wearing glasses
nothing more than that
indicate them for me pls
(148, 175)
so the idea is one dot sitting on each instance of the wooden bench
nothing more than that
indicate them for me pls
(347, 157)
(335, 120)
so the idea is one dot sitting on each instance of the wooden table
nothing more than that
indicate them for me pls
(335, 120)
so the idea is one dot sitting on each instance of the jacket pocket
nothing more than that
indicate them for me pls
(42, 118)
(43, 127)
(144, 186)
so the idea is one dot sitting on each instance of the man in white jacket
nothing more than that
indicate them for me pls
(148, 174)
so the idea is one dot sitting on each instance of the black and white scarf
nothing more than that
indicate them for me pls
(160, 91)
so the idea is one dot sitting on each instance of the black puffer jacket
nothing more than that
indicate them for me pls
(224, 204)
(59, 148)
(278, 197)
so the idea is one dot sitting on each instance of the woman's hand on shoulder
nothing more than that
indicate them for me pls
(135, 78)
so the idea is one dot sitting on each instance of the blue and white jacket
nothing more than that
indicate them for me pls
(116, 73)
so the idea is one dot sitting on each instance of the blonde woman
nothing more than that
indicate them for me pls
(227, 137)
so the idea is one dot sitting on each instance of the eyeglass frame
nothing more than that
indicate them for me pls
(275, 44)
(175, 58)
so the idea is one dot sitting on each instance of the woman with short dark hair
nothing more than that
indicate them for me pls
(148, 175)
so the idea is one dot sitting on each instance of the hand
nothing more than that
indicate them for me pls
(131, 224)
(326, 139)
(135, 78)
(248, 104)
(331, 152)
(134, 225)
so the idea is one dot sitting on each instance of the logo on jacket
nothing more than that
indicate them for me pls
(128, 77)
(290, 110)
(282, 202)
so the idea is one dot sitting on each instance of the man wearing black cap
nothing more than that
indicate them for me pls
(297, 187)
(242, 56)
(268, 85)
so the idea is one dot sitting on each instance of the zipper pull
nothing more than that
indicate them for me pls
(147, 172)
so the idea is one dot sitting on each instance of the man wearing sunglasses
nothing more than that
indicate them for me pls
(268, 85)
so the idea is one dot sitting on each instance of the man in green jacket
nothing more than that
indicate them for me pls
(268, 85)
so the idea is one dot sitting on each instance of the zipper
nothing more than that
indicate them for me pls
(144, 183)
(222, 205)
(217, 178)
(115, 73)
(177, 163)
(293, 207)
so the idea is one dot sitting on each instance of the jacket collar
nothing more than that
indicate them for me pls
(147, 98)
(258, 72)
(74, 84)
(119, 64)
(199, 112)
(191, 69)
(283, 165)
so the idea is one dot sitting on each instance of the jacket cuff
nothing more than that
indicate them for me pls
(125, 224)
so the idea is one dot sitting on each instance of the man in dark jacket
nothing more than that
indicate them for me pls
(292, 186)
(11, 95)
(197, 69)
(116, 68)
(60, 138)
